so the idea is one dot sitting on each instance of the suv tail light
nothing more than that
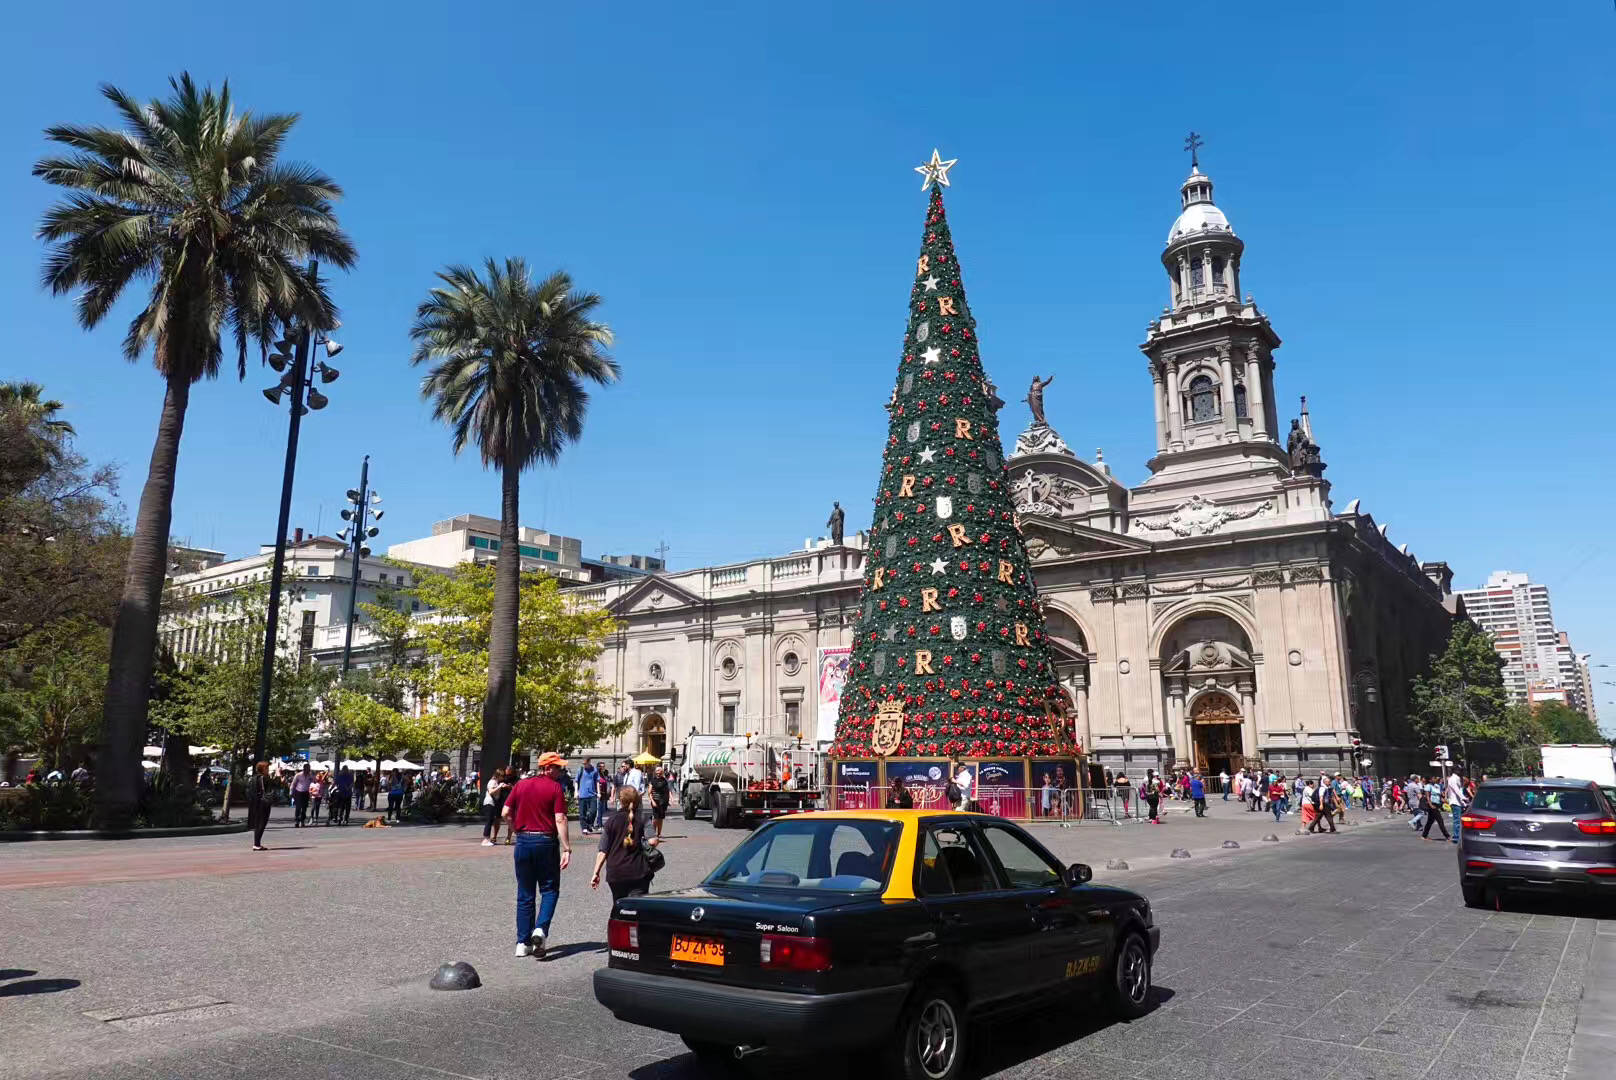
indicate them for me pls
(1602, 871)
(622, 934)
(785, 953)
(1597, 826)
(1477, 821)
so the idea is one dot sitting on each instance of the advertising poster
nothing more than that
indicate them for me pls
(1049, 776)
(924, 779)
(832, 674)
(857, 786)
(1001, 788)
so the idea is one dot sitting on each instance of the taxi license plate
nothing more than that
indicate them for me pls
(697, 950)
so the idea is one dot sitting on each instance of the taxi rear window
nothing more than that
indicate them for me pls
(830, 855)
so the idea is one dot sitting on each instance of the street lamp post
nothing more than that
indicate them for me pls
(360, 512)
(294, 350)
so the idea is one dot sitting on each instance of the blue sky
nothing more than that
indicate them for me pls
(1424, 192)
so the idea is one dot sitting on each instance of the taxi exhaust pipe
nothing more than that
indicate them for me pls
(744, 1052)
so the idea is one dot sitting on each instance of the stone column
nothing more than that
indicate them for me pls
(1206, 271)
(1161, 408)
(1176, 729)
(1231, 423)
(1256, 400)
(1248, 719)
(1080, 698)
(1183, 278)
(1231, 277)
(1175, 422)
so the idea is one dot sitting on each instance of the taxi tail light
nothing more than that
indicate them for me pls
(785, 953)
(1602, 871)
(1598, 826)
(1477, 821)
(622, 934)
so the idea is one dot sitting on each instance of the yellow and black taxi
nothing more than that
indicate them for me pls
(888, 929)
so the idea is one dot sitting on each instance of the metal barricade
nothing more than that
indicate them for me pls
(1034, 806)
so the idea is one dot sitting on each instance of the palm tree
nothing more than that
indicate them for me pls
(510, 358)
(32, 440)
(25, 399)
(190, 197)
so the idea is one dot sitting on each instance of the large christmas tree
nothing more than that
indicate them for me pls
(950, 627)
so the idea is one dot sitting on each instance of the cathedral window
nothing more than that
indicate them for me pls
(1217, 271)
(1203, 400)
(1195, 273)
(1240, 406)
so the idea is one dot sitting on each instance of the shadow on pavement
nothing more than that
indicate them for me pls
(572, 948)
(16, 973)
(1590, 906)
(37, 986)
(996, 1046)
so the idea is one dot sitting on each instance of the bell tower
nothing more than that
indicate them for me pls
(1211, 353)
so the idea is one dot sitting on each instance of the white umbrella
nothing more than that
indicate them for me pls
(356, 765)
(149, 764)
(152, 751)
(321, 766)
(407, 766)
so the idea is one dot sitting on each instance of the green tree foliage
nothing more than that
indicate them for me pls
(1559, 723)
(951, 628)
(559, 704)
(191, 199)
(1462, 698)
(61, 544)
(509, 359)
(50, 690)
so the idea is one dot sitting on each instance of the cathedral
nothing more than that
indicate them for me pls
(1221, 613)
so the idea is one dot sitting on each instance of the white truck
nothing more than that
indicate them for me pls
(746, 779)
(1581, 761)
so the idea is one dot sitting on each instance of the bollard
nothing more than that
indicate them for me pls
(1180, 853)
(1116, 864)
(456, 976)
(1230, 845)
(1271, 839)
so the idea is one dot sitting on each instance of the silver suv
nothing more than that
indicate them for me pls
(1542, 835)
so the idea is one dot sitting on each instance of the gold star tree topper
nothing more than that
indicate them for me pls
(935, 170)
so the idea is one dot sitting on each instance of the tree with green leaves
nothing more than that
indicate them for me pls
(558, 703)
(32, 436)
(1462, 698)
(50, 690)
(1560, 723)
(510, 357)
(190, 197)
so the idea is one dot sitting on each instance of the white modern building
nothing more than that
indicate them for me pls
(1538, 658)
(317, 575)
(474, 538)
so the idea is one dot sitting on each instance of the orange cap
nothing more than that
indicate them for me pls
(549, 758)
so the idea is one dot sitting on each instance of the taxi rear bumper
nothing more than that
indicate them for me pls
(736, 1015)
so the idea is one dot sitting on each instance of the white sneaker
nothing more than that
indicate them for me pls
(536, 942)
(488, 843)
(524, 949)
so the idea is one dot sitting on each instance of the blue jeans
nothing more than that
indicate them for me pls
(1457, 811)
(586, 811)
(1278, 806)
(538, 869)
(605, 808)
(1225, 794)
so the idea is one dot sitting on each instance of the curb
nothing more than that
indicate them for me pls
(24, 835)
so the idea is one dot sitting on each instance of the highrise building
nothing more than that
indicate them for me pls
(1537, 657)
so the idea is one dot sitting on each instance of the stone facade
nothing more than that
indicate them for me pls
(1219, 613)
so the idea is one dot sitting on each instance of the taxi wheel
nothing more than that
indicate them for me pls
(933, 1034)
(1130, 978)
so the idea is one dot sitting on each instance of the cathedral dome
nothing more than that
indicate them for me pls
(1198, 217)
(1200, 214)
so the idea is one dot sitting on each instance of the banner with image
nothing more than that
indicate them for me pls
(1001, 788)
(857, 786)
(926, 781)
(832, 672)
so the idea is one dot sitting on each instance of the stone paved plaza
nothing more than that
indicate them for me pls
(1347, 956)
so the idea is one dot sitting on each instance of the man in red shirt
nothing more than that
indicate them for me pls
(537, 811)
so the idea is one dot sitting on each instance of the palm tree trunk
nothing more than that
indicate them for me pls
(499, 704)
(134, 635)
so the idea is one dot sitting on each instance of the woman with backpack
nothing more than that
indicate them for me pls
(629, 860)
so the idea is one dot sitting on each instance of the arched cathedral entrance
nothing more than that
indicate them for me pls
(1215, 728)
(654, 735)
